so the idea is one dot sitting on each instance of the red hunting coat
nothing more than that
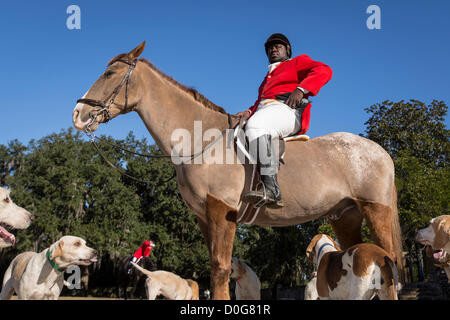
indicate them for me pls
(144, 250)
(300, 71)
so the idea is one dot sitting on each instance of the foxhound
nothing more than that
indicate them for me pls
(354, 274)
(248, 286)
(40, 276)
(437, 236)
(168, 284)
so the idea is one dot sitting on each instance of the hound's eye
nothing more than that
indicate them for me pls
(77, 244)
(7, 200)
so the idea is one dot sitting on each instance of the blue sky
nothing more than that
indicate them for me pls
(217, 48)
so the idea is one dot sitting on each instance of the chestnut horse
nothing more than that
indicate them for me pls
(340, 175)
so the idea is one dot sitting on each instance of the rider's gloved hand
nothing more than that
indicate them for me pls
(243, 114)
(295, 99)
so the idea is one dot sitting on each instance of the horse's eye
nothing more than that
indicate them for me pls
(109, 74)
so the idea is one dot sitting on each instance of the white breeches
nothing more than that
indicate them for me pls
(275, 118)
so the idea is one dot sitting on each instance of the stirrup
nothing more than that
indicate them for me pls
(264, 199)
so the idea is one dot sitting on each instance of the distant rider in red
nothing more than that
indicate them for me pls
(143, 251)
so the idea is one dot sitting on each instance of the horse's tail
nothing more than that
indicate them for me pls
(397, 240)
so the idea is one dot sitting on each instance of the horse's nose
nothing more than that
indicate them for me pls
(75, 120)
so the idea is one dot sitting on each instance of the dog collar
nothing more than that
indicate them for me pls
(52, 263)
(320, 249)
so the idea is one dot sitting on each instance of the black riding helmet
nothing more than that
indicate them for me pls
(279, 38)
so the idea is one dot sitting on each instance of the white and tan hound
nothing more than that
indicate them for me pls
(437, 236)
(248, 286)
(40, 276)
(354, 274)
(169, 285)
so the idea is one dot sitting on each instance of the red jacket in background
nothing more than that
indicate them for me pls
(300, 71)
(144, 250)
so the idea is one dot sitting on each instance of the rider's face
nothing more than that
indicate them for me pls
(277, 52)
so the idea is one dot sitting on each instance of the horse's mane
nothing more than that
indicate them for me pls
(195, 94)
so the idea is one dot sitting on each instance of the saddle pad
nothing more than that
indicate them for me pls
(299, 137)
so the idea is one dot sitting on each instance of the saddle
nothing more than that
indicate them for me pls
(242, 144)
(248, 214)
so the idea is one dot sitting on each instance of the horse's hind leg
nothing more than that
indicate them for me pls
(348, 227)
(379, 220)
(219, 232)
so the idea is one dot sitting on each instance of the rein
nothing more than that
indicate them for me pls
(122, 172)
(92, 138)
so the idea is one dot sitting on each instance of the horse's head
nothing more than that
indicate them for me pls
(117, 91)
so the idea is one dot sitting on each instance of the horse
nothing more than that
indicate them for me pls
(342, 176)
(123, 278)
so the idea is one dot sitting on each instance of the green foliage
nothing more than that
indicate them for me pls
(411, 128)
(415, 136)
(278, 255)
(71, 190)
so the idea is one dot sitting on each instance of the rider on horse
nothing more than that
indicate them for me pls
(281, 109)
(143, 251)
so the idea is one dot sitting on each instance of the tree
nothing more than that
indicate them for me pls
(415, 136)
(411, 128)
(278, 255)
(71, 190)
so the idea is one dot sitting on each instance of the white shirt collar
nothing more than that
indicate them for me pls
(274, 65)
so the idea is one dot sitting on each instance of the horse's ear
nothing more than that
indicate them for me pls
(136, 52)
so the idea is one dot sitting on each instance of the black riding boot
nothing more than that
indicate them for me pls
(268, 166)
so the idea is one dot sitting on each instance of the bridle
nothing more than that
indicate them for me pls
(109, 100)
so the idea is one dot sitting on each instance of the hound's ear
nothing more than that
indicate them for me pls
(310, 248)
(310, 255)
(310, 252)
(57, 250)
(446, 228)
(136, 52)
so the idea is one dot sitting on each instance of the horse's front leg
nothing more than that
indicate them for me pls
(219, 232)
